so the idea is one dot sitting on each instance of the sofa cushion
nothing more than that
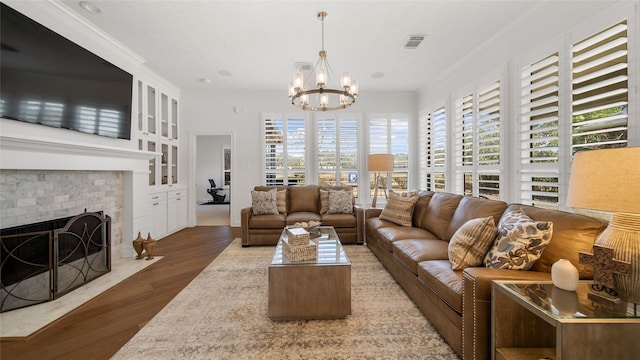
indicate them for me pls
(439, 213)
(304, 199)
(519, 243)
(572, 233)
(281, 201)
(389, 234)
(412, 251)
(324, 201)
(339, 220)
(438, 275)
(264, 202)
(470, 243)
(472, 208)
(399, 208)
(302, 216)
(340, 202)
(267, 222)
(421, 207)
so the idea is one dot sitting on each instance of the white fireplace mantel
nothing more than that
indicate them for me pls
(35, 153)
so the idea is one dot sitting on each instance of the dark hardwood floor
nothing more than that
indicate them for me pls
(100, 327)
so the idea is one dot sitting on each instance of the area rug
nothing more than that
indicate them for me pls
(222, 314)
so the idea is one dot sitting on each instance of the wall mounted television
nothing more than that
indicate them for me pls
(47, 79)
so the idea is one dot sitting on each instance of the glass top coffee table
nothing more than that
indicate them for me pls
(311, 289)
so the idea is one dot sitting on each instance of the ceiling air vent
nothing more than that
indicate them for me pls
(304, 66)
(413, 41)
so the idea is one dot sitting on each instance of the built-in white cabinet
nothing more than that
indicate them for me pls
(168, 212)
(159, 214)
(177, 210)
(157, 130)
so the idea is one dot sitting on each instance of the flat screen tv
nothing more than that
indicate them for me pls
(49, 80)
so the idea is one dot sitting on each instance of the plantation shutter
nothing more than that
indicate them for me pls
(600, 90)
(463, 155)
(464, 131)
(538, 132)
(295, 152)
(337, 151)
(488, 140)
(327, 141)
(274, 151)
(439, 149)
(284, 142)
(425, 152)
(348, 152)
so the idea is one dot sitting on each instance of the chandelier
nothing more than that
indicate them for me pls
(323, 95)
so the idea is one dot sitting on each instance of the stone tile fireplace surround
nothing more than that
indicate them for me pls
(30, 196)
(43, 179)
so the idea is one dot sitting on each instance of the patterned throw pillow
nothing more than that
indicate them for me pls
(520, 242)
(264, 202)
(324, 201)
(470, 243)
(281, 201)
(340, 202)
(399, 208)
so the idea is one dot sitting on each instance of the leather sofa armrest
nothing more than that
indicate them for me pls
(476, 306)
(245, 215)
(372, 212)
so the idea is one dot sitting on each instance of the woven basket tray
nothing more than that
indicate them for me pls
(299, 252)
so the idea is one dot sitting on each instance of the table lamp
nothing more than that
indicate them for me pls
(379, 163)
(609, 180)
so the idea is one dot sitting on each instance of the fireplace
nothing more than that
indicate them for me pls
(42, 261)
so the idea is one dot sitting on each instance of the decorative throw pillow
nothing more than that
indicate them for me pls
(470, 243)
(281, 201)
(340, 202)
(264, 202)
(324, 201)
(519, 243)
(399, 208)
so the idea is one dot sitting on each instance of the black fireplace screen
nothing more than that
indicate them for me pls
(43, 261)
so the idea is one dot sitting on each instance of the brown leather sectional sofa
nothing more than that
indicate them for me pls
(303, 203)
(458, 303)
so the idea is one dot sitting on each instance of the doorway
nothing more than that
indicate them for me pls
(213, 180)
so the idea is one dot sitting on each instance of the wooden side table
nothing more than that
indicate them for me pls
(535, 320)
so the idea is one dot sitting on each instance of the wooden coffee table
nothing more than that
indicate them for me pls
(311, 290)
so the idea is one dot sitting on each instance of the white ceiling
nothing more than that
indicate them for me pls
(259, 42)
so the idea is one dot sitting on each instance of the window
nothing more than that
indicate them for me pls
(600, 90)
(390, 135)
(337, 144)
(433, 149)
(284, 151)
(538, 132)
(477, 142)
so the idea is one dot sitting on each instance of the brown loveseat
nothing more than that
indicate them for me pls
(458, 303)
(301, 204)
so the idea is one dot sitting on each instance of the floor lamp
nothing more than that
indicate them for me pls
(609, 180)
(379, 163)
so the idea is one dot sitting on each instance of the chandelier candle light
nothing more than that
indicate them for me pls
(323, 96)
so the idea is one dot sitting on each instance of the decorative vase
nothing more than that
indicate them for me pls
(137, 246)
(564, 275)
(148, 246)
(566, 302)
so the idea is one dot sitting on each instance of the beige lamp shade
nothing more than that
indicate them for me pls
(380, 162)
(606, 179)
